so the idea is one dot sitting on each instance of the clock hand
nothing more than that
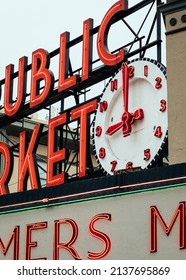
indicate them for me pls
(113, 128)
(127, 119)
(125, 77)
(126, 124)
(125, 86)
(126, 116)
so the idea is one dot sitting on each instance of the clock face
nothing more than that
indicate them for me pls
(130, 128)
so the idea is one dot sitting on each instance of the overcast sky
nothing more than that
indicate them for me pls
(29, 25)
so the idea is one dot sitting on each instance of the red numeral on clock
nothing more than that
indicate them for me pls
(163, 105)
(158, 82)
(129, 165)
(131, 71)
(102, 153)
(146, 70)
(103, 106)
(98, 130)
(113, 163)
(146, 154)
(114, 85)
(158, 132)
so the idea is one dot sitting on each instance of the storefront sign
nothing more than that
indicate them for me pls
(149, 225)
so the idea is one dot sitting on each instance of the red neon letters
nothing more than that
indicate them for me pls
(64, 82)
(27, 160)
(87, 49)
(32, 244)
(8, 167)
(67, 237)
(61, 242)
(69, 245)
(27, 153)
(11, 107)
(15, 238)
(40, 71)
(101, 236)
(41, 85)
(54, 156)
(156, 216)
(81, 113)
(105, 56)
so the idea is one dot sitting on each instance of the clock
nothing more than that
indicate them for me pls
(130, 125)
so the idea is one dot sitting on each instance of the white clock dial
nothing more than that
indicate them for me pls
(130, 127)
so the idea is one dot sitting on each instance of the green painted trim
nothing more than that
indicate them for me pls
(92, 198)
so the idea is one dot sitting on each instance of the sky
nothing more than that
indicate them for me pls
(29, 25)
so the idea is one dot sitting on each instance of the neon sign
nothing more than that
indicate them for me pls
(41, 72)
(68, 246)
(23, 239)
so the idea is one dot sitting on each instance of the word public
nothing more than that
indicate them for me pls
(40, 72)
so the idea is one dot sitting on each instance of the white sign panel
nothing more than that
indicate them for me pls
(147, 225)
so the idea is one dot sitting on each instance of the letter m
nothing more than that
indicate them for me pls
(155, 216)
(14, 237)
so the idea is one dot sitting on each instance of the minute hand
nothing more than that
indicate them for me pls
(125, 86)
(126, 117)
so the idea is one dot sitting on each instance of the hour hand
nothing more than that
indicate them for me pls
(113, 128)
